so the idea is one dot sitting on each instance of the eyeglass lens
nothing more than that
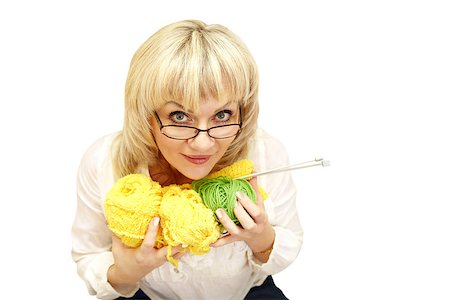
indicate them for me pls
(219, 132)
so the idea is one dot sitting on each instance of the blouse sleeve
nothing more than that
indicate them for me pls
(281, 206)
(91, 238)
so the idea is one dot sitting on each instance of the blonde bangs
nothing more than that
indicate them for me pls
(200, 64)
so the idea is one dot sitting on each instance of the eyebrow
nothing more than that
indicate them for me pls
(179, 106)
(191, 112)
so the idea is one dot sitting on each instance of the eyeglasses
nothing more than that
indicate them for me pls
(181, 132)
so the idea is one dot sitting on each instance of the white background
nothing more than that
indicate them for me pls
(362, 83)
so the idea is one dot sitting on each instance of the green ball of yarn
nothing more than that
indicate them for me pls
(220, 192)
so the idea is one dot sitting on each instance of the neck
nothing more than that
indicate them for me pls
(166, 175)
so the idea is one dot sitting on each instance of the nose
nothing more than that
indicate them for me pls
(202, 142)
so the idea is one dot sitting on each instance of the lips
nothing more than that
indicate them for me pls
(197, 159)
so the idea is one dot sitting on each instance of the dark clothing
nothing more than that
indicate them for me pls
(266, 291)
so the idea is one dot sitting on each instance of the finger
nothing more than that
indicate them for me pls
(178, 255)
(164, 251)
(247, 203)
(177, 249)
(254, 183)
(150, 236)
(255, 211)
(227, 222)
(225, 240)
(243, 216)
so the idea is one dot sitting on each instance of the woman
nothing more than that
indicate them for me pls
(190, 109)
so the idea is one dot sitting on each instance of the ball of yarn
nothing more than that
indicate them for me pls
(135, 199)
(220, 192)
(130, 205)
(185, 220)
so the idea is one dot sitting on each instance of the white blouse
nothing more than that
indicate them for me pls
(226, 272)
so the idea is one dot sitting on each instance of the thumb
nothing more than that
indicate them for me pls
(152, 232)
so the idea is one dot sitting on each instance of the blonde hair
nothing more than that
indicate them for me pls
(185, 61)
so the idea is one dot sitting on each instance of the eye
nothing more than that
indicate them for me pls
(178, 117)
(223, 116)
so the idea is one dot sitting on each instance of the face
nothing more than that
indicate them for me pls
(195, 157)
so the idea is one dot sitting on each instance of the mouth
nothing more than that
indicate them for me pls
(197, 159)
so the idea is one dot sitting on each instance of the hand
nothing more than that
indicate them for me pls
(255, 228)
(131, 264)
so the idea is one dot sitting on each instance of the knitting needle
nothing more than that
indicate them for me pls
(312, 163)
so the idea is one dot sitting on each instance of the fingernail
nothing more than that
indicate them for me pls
(240, 195)
(219, 213)
(184, 246)
(155, 221)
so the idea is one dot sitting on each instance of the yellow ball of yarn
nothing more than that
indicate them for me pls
(185, 220)
(130, 205)
(135, 199)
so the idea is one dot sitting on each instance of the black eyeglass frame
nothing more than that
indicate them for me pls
(161, 126)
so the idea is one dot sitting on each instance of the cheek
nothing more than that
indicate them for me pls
(223, 145)
(160, 139)
(165, 145)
